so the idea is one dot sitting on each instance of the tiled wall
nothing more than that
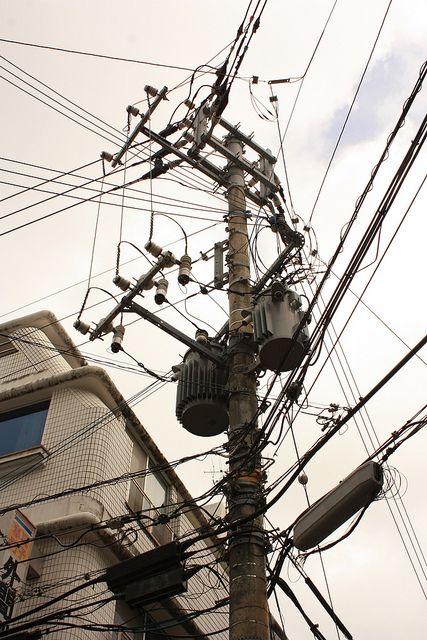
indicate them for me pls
(87, 443)
(35, 354)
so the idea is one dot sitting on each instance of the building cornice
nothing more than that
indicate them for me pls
(97, 381)
(48, 323)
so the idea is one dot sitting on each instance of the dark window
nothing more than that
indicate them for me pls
(149, 494)
(22, 428)
(6, 347)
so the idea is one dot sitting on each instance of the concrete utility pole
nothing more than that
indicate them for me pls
(249, 617)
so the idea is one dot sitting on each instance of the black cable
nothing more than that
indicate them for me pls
(58, 110)
(322, 600)
(176, 202)
(306, 457)
(82, 200)
(314, 628)
(302, 78)
(62, 174)
(359, 297)
(107, 57)
(42, 606)
(64, 106)
(321, 442)
(349, 111)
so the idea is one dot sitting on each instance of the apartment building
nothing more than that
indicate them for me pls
(65, 433)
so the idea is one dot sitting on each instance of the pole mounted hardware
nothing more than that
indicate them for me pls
(212, 355)
(144, 282)
(217, 382)
(353, 493)
(202, 392)
(219, 277)
(288, 235)
(161, 95)
(149, 577)
(118, 335)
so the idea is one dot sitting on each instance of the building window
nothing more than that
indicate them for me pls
(22, 428)
(6, 347)
(149, 494)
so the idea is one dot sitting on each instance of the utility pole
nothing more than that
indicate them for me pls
(203, 386)
(248, 593)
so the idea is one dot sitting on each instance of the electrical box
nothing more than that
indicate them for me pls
(150, 577)
(276, 317)
(331, 511)
(171, 582)
(201, 402)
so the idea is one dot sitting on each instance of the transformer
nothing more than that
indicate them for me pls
(276, 316)
(353, 493)
(202, 396)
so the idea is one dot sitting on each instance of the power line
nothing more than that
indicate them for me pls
(176, 202)
(92, 200)
(349, 110)
(108, 57)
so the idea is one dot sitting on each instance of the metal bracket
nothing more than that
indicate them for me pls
(248, 368)
(176, 333)
(219, 278)
(139, 127)
(104, 325)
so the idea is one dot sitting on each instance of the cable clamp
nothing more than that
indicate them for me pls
(243, 214)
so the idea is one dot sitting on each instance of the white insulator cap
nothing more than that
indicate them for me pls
(122, 283)
(161, 291)
(116, 343)
(82, 327)
(186, 122)
(134, 111)
(246, 317)
(153, 248)
(184, 270)
(303, 478)
(152, 91)
(176, 368)
(181, 143)
(201, 336)
(106, 155)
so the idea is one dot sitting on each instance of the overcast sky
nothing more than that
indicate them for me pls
(47, 264)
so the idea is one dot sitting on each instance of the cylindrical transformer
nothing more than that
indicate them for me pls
(153, 248)
(152, 91)
(276, 317)
(184, 270)
(201, 401)
(161, 291)
(82, 327)
(122, 283)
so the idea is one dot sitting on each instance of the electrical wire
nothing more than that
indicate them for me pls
(349, 111)
(106, 57)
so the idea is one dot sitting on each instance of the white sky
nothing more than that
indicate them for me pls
(372, 583)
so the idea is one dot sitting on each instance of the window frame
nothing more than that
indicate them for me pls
(22, 412)
(7, 347)
(159, 533)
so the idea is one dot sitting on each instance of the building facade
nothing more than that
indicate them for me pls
(76, 462)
